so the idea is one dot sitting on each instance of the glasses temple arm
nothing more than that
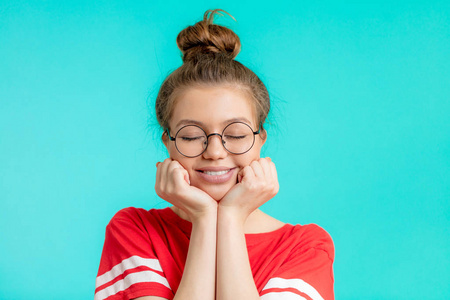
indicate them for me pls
(259, 129)
(168, 134)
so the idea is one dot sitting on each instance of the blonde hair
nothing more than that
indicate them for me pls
(209, 52)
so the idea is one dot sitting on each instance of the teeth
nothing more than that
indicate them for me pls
(216, 173)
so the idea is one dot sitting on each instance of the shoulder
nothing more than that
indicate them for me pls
(129, 213)
(133, 227)
(134, 217)
(313, 236)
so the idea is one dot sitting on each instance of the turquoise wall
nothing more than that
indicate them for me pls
(359, 132)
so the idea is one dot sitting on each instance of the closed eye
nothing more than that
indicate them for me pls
(189, 139)
(235, 137)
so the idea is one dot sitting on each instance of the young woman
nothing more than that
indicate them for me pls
(214, 242)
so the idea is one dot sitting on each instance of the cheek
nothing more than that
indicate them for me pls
(246, 159)
(175, 155)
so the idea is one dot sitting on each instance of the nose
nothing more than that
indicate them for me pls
(215, 149)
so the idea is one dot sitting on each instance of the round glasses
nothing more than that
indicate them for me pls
(192, 140)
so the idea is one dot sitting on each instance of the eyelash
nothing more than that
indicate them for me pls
(234, 137)
(185, 138)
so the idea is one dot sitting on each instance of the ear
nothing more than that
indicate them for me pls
(165, 139)
(263, 135)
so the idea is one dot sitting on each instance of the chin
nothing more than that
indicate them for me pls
(216, 192)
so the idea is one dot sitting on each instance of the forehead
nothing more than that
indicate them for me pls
(213, 107)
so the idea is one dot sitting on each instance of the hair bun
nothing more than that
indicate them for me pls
(207, 38)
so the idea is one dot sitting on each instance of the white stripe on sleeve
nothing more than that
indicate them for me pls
(282, 296)
(130, 279)
(298, 284)
(127, 264)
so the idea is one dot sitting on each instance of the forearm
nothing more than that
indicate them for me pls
(198, 280)
(234, 274)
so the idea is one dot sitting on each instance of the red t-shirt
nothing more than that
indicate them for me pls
(145, 252)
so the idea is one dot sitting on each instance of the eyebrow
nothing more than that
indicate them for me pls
(201, 124)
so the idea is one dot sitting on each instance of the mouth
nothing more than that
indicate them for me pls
(216, 175)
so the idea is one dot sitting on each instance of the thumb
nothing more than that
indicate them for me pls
(240, 175)
(186, 177)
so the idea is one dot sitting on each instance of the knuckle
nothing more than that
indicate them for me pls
(160, 192)
(275, 187)
(175, 163)
(270, 186)
(170, 190)
(252, 187)
(256, 185)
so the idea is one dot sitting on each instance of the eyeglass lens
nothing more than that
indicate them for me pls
(192, 141)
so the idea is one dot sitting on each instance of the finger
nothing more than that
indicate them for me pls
(273, 168)
(183, 175)
(161, 171)
(163, 167)
(174, 165)
(186, 177)
(257, 168)
(158, 173)
(265, 164)
(247, 173)
(274, 172)
(241, 174)
(180, 176)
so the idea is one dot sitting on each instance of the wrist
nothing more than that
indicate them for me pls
(231, 215)
(205, 216)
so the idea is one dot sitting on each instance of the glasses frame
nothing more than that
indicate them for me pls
(214, 133)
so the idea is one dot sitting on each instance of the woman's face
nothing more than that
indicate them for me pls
(213, 108)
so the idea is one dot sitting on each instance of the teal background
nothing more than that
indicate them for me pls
(359, 132)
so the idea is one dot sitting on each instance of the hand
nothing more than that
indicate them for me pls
(257, 183)
(173, 185)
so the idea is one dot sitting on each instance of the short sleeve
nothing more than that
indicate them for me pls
(129, 267)
(307, 273)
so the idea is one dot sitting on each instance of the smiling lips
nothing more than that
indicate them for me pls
(216, 175)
